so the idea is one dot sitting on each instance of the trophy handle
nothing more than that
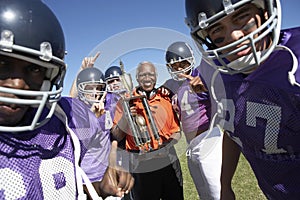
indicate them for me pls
(127, 82)
(126, 78)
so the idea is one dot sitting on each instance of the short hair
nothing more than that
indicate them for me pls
(142, 64)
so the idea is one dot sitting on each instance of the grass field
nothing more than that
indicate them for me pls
(244, 182)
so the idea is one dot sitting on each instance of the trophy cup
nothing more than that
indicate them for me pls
(138, 124)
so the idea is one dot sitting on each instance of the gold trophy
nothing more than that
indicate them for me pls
(140, 131)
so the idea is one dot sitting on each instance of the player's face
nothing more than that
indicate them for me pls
(93, 91)
(21, 75)
(234, 27)
(146, 77)
(114, 84)
(180, 66)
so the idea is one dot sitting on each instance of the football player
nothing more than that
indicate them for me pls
(194, 108)
(92, 90)
(259, 64)
(43, 136)
(113, 81)
(86, 63)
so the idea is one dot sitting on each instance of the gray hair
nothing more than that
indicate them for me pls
(142, 64)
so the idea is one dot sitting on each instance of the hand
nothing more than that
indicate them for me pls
(174, 103)
(165, 92)
(98, 107)
(195, 83)
(116, 181)
(133, 108)
(89, 61)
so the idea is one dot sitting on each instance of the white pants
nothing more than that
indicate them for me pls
(204, 156)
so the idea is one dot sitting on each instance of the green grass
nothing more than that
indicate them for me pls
(244, 182)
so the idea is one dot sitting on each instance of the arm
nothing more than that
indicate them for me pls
(73, 92)
(230, 158)
(86, 62)
(116, 181)
(196, 83)
(172, 126)
(117, 133)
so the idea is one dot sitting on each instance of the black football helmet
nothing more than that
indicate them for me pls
(179, 52)
(113, 81)
(201, 14)
(90, 85)
(31, 32)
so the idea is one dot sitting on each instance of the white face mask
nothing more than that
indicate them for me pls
(248, 60)
(216, 57)
(176, 74)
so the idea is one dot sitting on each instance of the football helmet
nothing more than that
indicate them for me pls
(31, 32)
(179, 52)
(90, 85)
(113, 80)
(202, 14)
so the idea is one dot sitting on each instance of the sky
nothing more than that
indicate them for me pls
(129, 30)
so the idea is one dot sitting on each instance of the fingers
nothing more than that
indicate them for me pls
(164, 91)
(126, 181)
(195, 83)
(187, 76)
(193, 80)
(98, 107)
(95, 57)
(124, 178)
(89, 61)
(133, 110)
(116, 181)
(102, 98)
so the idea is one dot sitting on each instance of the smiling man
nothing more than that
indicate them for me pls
(157, 171)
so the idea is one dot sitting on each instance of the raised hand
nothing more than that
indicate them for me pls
(89, 61)
(196, 83)
(98, 107)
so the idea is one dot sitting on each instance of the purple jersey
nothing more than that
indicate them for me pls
(39, 164)
(264, 120)
(172, 85)
(194, 108)
(95, 161)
